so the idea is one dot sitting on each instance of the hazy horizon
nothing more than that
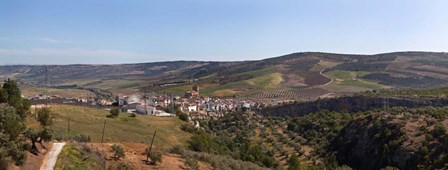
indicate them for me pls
(242, 60)
(115, 32)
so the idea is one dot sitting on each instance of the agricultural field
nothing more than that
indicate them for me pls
(89, 121)
(177, 90)
(115, 84)
(264, 82)
(351, 81)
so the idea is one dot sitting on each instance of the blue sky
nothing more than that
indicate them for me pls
(131, 31)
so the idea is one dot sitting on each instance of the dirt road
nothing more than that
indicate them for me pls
(321, 73)
(51, 158)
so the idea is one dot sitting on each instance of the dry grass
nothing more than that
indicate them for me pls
(69, 93)
(121, 129)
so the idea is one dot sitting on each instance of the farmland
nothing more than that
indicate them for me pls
(351, 73)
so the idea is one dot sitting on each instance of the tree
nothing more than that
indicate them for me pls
(183, 117)
(12, 126)
(114, 113)
(11, 95)
(3, 96)
(294, 163)
(33, 135)
(44, 116)
(12, 143)
(44, 134)
(118, 151)
(439, 130)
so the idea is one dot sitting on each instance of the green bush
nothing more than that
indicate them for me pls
(294, 163)
(438, 131)
(155, 156)
(114, 113)
(118, 151)
(178, 149)
(183, 116)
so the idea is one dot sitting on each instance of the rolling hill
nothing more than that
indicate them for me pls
(298, 75)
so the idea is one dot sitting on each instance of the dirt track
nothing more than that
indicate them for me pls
(51, 158)
(326, 77)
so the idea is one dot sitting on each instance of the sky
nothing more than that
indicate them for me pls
(135, 31)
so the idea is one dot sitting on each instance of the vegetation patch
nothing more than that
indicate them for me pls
(79, 156)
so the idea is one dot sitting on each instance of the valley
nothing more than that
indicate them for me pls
(306, 110)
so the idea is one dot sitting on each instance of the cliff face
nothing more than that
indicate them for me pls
(371, 143)
(407, 140)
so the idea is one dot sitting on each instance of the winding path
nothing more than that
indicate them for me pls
(326, 77)
(52, 156)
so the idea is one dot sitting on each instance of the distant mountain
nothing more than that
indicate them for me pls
(298, 75)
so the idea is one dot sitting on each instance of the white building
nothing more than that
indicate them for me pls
(192, 108)
(145, 109)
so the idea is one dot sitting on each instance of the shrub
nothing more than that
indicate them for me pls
(82, 138)
(438, 131)
(121, 166)
(188, 128)
(183, 117)
(424, 150)
(113, 113)
(118, 151)
(294, 163)
(155, 156)
(192, 162)
(178, 149)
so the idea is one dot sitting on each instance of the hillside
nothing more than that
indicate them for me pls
(301, 76)
(404, 128)
(88, 121)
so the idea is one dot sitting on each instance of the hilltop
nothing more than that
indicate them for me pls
(302, 76)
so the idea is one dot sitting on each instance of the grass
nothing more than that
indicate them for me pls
(121, 129)
(118, 84)
(268, 81)
(177, 90)
(72, 157)
(105, 84)
(343, 75)
(256, 73)
(361, 83)
(70, 93)
(79, 82)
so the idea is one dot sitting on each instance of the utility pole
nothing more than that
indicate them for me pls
(173, 110)
(146, 109)
(104, 127)
(150, 147)
(46, 84)
(68, 126)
